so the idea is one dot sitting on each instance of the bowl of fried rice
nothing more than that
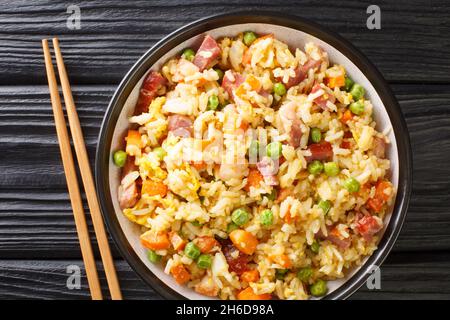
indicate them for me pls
(254, 156)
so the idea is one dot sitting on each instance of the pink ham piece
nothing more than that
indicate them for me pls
(322, 100)
(180, 126)
(379, 147)
(128, 197)
(268, 169)
(300, 73)
(320, 151)
(292, 124)
(367, 226)
(207, 54)
(231, 80)
(342, 243)
(149, 90)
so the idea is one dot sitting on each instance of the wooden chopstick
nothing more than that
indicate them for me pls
(71, 177)
(86, 176)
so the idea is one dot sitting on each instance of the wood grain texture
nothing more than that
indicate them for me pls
(403, 276)
(35, 208)
(411, 45)
(37, 233)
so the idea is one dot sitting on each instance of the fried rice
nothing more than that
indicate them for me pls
(255, 170)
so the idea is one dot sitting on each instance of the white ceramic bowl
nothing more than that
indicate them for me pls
(296, 32)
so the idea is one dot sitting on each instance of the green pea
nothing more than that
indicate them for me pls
(213, 102)
(315, 167)
(316, 135)
(325, 205)
(153, 257)
(160, 152)
(188, 54)
(279, 89)
(357, 107)
(274, 149)
(240, 216)
(331, 169)
(219, 73)
(204, 261)
(319, 288)
(191, 251)
(357, 92)
(304, 274)
(253, 149)
(315, 246)
(249, 37)
(231, 227)
(351, 184)
(120, 157)
(266, 217)
(195, 223)
(348, 84)
(280, 274)
(273, 195)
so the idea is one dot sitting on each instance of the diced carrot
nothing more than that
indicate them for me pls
(155, 240)
(282, 259)
(380, 191)
(346, 116)
(376, 203)
(244, 241)
(254, 83)
(283, 194)
(244, 125)
(153, 188)
(199, 165)
(334, 82)
(254, 179)
(205, 243)
(134, 139)
(178, 243)
(180, 274)
(247, 57)
(289, 219)
(250, 275)
(248, 294)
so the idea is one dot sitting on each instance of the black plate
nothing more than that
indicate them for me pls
(203, 25)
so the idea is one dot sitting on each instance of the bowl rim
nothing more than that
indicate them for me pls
(197, 27)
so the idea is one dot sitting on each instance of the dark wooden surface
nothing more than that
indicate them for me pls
(37, 234)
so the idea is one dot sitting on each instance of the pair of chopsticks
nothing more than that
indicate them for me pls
(86, 176)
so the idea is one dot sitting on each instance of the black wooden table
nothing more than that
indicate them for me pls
(37, 234)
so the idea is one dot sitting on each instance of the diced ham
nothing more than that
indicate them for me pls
(268, 168)
(128, 197)
(379, 147)
(334, 238)
(207, 54)
(368, 226)
(324, 98)
(300, 73)
(291, 124)
(180, 126)
(231, 80)
(149, 89)
(237, 261)
(320, 151)
(129, 166)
